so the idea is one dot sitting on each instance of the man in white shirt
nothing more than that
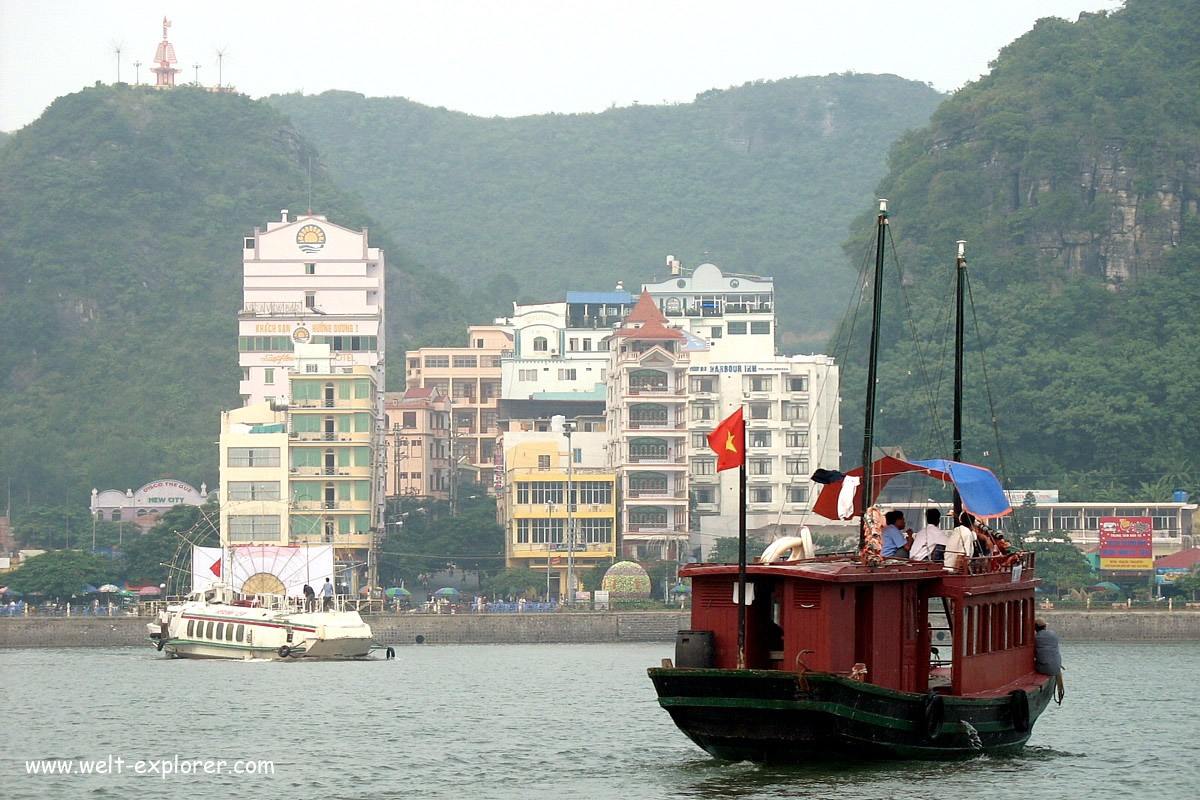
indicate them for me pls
(928, 539)
(961, 544)
(327, 596)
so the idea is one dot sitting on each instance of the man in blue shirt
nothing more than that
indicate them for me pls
(896, 541)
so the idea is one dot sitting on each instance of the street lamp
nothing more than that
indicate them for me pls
(568, 429)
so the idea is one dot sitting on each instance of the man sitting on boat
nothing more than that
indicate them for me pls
(896, 541)
(929, 543)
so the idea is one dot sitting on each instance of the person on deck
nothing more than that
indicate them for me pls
(896, 541)
(1047, 659)
(310, 598)
(929, 543)
(960, 544)
(327, 595)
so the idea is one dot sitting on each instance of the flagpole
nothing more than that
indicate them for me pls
(741, 657)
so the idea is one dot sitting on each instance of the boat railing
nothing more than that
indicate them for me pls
(998, 564)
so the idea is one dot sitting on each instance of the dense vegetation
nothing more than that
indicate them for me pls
(757, 179)
(1082, 139)
(120, 279)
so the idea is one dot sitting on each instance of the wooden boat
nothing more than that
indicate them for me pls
(859, 656)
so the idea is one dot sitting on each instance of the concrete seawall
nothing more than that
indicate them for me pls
(647, 626)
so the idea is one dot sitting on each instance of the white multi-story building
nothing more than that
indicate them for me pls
(308, 281)
(734, 313)
(647, 426)
(561, 349)
(791, 408)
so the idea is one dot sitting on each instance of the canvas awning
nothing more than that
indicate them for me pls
(981, 493)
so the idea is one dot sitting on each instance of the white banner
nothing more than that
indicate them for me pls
(293, 566)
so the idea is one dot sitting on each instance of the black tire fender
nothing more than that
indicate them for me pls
(160, 644)
(1018, 706)
(389, 653)
(284, 651)
(933, 715)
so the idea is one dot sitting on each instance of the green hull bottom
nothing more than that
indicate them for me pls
(782, 717)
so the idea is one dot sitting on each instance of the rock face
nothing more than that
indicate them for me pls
(1144, 218)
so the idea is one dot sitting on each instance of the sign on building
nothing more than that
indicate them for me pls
(1126, 543)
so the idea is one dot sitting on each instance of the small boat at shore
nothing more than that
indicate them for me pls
(800, 658)
(217, 622)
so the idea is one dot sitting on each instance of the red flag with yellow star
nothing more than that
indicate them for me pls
(728, 441)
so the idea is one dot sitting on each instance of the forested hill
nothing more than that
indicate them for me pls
(120, 280)
(1072, 169)
(760, 179)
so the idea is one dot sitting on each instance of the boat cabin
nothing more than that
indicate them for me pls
(834, 614)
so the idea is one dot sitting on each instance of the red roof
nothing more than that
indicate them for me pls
(652, 330)
(645, 310)
(1184, 558)
(417, 392)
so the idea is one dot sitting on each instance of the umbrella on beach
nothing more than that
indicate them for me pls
(448, 592)
(398, 591)
(148, 591)
(89, 589)
(680, 588)
(8, 591)
(109, 588)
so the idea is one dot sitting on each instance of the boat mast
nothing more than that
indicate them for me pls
(872, 361)
(960, 275)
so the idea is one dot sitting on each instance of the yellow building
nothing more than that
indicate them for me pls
(537, 520)
(306, 473)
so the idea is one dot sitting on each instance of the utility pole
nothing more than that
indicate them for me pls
(568, 429)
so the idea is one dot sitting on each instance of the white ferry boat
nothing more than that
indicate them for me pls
(217, 622)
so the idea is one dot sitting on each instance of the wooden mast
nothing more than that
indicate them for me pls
(960, 275)
(872, 361)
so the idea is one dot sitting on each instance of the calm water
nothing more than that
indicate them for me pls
(537, 721)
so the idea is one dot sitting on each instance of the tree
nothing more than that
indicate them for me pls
(62, 573)
(724, 551)
(1059, 562)
(164, 552)
(516, 582)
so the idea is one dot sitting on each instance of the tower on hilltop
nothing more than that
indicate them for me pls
(164, 57)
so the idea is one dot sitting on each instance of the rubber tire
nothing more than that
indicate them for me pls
(933, 716)
(389, 653)
(1018, 706)
(284, 651)
(160, 644)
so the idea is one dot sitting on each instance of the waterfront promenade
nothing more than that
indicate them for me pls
(570, 627)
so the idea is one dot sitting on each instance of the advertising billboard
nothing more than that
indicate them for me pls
(1125, 544)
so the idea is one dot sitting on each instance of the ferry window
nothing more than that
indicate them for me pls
(191, 627)
(241, 630)
(229, 632)
(220, 631)
(208, 630)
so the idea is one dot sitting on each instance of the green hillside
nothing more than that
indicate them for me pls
(120, 280)
(759, 179)
(1072, 171)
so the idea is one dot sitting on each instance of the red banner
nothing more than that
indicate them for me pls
(1126, 543)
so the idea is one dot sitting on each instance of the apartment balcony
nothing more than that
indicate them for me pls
(666, 495)
(295, 473)
(355, 540)
(321, 437)
(656, 425)
(359, 404)
(658, 459)
(542, 551)
(655, 390)
(357, 506)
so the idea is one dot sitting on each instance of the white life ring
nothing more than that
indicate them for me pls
(789, 548)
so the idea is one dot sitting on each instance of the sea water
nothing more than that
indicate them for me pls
(529, 721)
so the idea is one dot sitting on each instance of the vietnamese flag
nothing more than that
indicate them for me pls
(728, 441)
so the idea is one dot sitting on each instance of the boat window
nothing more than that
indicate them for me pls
(220, 631)
(191, 627)
(241, 631)
(208, 630)
(229, 632)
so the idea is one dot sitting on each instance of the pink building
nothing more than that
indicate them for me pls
(418, 443)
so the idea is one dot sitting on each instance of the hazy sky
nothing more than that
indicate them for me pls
(505, 57)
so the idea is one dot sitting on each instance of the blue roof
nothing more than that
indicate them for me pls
(600, 298)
